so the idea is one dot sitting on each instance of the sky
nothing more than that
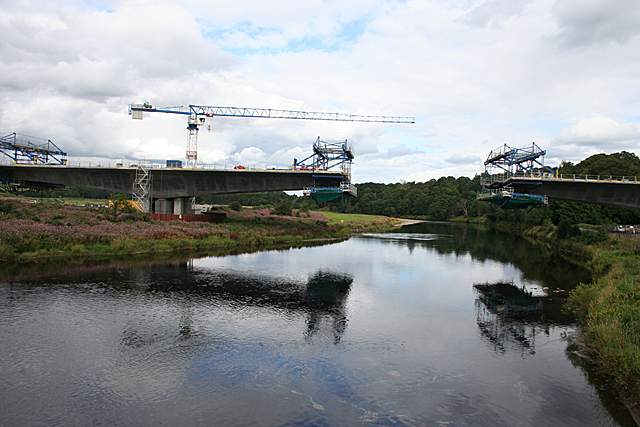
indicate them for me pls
(474, 74)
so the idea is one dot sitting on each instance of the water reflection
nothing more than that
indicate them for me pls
(509, 317)
(536, 262)
(326, 298)
(322, 297)
(379, 331)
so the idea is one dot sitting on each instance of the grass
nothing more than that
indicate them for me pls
(48, 230)
(609, 307)
(335, 217)
(610, 311)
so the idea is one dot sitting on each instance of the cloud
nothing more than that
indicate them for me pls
(592, 135)
(250, 155)
(600, 132)
(586, 22)
(100, 54)
(494, 12)
(474, 75)
(399, 150)
(459, 159)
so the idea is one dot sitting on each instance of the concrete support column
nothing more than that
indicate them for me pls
(178, 206)
(182, 206)
(164, 206)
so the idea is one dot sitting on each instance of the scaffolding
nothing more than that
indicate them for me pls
(141, 193)
(30, 150)
(329, 156)
(505, 162)
(507, 198)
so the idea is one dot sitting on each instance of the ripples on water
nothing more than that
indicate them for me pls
(379, 330)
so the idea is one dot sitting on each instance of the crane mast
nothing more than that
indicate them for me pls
(198, 113)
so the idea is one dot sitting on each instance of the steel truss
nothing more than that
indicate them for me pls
(506, 161)
(25, 149)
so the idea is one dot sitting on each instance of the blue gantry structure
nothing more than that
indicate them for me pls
(506, 163)
(30, 150)
(329, 155)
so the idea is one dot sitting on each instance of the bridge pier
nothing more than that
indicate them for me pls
(175, 206)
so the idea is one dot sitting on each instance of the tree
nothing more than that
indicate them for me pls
(119, 203)
(235, 205)
(283, 208)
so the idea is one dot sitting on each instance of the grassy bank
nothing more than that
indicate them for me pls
(610, 310)
(609, 307)
(30, 230)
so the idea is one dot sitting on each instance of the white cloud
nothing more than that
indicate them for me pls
(250, 155)
(474, 74)
(585, 22)
(459, 159)
(600, 132)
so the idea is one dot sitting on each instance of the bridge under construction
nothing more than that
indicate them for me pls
(518, 178)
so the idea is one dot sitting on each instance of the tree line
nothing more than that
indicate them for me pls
(448, 197)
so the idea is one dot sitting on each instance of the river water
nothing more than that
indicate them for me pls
(381, 329)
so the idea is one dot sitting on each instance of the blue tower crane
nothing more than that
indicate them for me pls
(197, 115)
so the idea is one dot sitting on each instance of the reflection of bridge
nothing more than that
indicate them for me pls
(510, 318)
(322, 297)
(170, 189)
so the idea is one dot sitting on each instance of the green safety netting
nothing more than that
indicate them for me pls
(326, 195)
(515, 201)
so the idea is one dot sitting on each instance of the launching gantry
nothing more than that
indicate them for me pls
(506, 163)
(30, 150)
(329, 155)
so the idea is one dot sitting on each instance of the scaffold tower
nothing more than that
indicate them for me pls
(506, 162)
(141, 193)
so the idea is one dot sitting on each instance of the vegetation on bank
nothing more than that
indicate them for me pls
(30, 230)
(610, 310)
(609, 306)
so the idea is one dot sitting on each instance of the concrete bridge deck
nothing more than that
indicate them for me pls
(167, 185)
(621, 192)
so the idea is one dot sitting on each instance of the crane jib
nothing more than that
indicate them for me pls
(197, 114)
(211, 111)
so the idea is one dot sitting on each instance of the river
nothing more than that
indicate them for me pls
(381, 329)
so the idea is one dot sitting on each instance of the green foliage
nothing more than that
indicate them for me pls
(616, 164)
(7, 207)
(610, 310)
(7, 253)
(566, 229)
(283, 208)
(118, 204)
(235, 205)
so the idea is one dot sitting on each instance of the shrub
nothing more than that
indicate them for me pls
(235, 206)
(282, 209)
(566, 229)
(6, 253)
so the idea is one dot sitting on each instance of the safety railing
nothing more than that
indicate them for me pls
(490, 179)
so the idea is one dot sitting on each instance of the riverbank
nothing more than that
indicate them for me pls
(37, 230)
(609, 306)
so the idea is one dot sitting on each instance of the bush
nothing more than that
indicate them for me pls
(6, 253)
(282, 209)
(235, 206)
(566, 229)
